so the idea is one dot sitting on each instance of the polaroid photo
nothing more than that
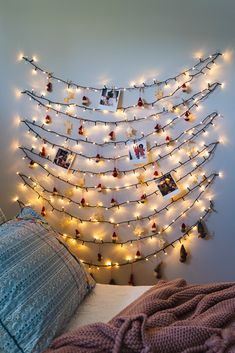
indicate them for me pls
(138, 152)
(109, 99)
(167, 186)
(64, 158)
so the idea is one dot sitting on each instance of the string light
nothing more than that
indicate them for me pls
(129, 260)
(213, 145)
(111, 220)
(195, 178)
(203, 93)
(189, 131)
(42, 154)
(208, 60)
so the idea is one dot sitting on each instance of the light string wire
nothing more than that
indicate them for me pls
(69, 83)
(38, 99)
(26, 151)
(156, 252)
(167, 207)
(117, 205)
(123, 109)
(62, 210)
(30, 125)
(153, 254)
(124, 172)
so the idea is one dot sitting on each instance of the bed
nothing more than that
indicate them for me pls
(103, 303)
(49, 303)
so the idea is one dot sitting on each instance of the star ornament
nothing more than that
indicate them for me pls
(130, 131)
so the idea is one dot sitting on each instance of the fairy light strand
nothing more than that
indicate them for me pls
(31, 124)
(213, 144)
(164, 229)
(117, 205)
(211, 88)
(129, 221)
(120, 171)
(211, 58)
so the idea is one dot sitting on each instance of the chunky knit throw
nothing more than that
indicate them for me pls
(171, 317)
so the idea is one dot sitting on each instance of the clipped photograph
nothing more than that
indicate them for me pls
(109, 99)
(138, 152)
(167, 186)
(64, 158)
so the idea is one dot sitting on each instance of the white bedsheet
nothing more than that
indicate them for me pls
(103, 303)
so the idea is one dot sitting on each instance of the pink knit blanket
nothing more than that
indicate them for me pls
(171, 317)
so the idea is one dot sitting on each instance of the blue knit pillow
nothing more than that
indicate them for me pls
(41, 285)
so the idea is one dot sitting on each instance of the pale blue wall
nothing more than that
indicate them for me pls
(121, 40)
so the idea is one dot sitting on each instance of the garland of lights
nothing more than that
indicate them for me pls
(25, 150)
(62, 210)
(123, 109)
(205, 93)
(30, 126)
(154, 253)
(183, 109)
(69, 84)
(164, 229)
(133, 170)
(146, 258)
(209, 154)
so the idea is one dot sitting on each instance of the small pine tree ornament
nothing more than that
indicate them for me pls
(188, 116)
(113, 202)
(98, 158)
(43, 211)
(83, 202)
(202, 233)
(43, 151)
(85, 100)
(49, 86)
(114, 237)
(155, 174)
(138, 255)
(158, 128)
(185, 88)
(140, 102)
(55, 191)
(81, 130)
(99, 187)
(115, 173)
(183, 254)
(154, 227)
(112, 135)
(183, 228)
(143, 198)
(99, 257)
(48, 119)
(168, 140)
(77, 234)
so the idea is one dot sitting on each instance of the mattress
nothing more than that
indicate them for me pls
(103, 303)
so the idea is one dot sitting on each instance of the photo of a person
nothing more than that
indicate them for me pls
(167, 186)
(138, 151)
(64, 158)
(109, 99)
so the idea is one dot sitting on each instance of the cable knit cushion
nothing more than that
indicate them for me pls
(41, 284)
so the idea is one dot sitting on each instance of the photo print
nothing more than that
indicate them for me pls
(109, 99)
(138, 152)
(167, 186)
(64, 158)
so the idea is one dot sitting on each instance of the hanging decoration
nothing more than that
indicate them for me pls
(160, 196)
